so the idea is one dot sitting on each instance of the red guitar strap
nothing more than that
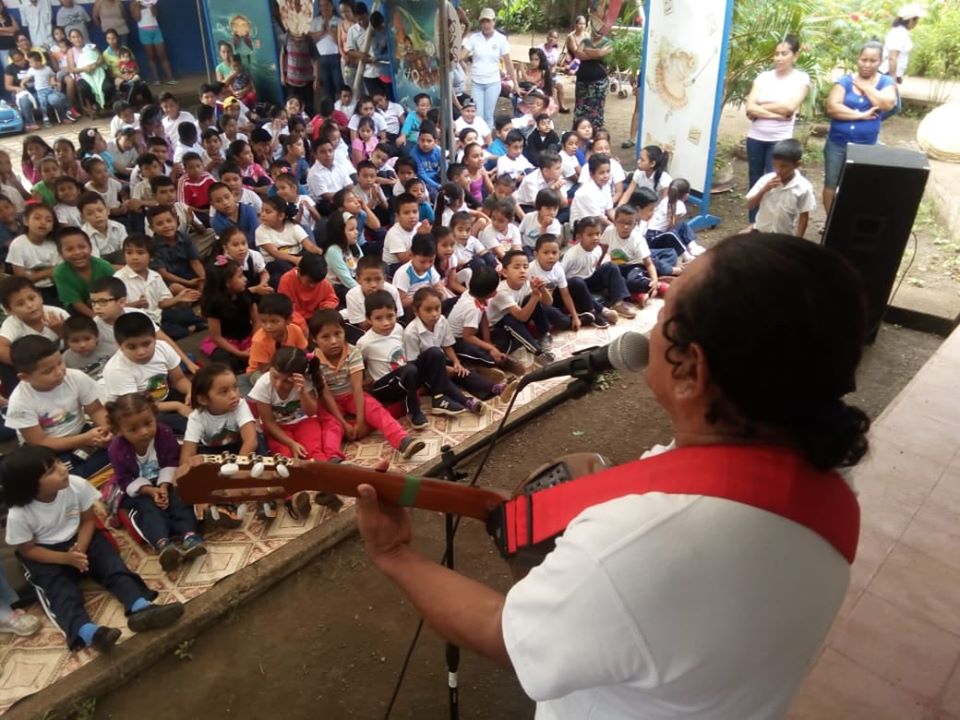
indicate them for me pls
(773, 479)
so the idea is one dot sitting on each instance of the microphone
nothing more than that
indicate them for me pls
(629, 353)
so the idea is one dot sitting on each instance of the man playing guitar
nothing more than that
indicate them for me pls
(696, 596)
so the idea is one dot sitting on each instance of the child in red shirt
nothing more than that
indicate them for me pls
(193, 188)
(308, 288)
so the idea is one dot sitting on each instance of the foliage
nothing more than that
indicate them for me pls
(936, 51)
(758, 26)
(184, 650)
(521, 16)
(627, 51)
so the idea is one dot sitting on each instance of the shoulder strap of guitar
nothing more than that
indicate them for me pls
(776, 480)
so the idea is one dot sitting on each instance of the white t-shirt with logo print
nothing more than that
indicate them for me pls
(122, 376)
(205, 428)
(58, 412)
(382, 354)
(286, 410)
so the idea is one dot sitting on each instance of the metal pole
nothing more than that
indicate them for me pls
(446, 99)
(203, 39)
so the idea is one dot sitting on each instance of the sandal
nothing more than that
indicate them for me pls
(564, 111)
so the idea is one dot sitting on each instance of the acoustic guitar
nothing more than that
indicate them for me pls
(232, 478)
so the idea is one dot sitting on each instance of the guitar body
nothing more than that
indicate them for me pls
(231, 478)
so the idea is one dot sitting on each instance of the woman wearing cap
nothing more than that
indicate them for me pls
(677, 598)
(898, 44)
(486, 49)
(855, 106)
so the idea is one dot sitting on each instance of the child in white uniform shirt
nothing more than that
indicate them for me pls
(784, 196)
(593, 199)
(430, 329)
(514, 164)
(546, 266)
(628, 250)
(501, 235)
(583, 260)
(26, 314)
(396, 244)
(394, 378)
(520, 300)
(371, 276)
(418, 271)
(542, 221)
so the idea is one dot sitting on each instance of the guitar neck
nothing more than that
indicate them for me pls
(205, 484)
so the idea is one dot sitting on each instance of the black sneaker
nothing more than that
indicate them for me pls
(546, 342)
(169, 556)
(104, 638)
(410, 447)
(587, 318)
(155, 616)
(418, 420)
(442, 405)
(545, 358)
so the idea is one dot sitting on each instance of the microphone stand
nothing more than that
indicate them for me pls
(452, 651)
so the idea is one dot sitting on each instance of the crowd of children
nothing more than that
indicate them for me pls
(334, 278)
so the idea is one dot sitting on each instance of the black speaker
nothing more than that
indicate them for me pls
(876, 203)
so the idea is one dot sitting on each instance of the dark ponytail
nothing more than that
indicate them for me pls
(782, 323)
(659, 157)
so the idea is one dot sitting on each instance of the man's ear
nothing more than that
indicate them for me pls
(692, 376)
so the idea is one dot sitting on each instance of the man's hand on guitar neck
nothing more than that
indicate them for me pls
(385, 529)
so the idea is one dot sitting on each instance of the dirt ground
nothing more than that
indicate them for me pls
(329, 641)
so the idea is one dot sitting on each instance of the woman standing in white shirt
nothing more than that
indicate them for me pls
(485, 50)
(772, 107)
(898, 44)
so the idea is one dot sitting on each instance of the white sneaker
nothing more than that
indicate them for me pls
(695, 248)
(686, 257)
(21, 624)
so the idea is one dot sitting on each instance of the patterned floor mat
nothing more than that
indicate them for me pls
(29, 664)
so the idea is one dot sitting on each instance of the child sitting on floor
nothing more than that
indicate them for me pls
(584, 260)
(220, 422)
(277, 330)
(85, 351)
(52, 525)
(78, 270)
(370, 278)
(231, 314)
(26, 314)
(393, 378)
(418, 271)
(50, 405)
(144, 455)
(518, 301)
(341, 365)
(307, 286)
(294, 423)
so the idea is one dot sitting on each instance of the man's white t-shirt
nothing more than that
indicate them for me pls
(665, 606)
(781, 207)
(53, 522)
(122, 376)
(58, 412)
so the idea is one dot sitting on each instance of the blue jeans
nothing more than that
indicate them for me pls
(330, 75)
(759, 163)
(51, 100)
(485, 95)
(834, 157)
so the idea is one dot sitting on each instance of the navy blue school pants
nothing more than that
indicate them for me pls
(608, 282)
(473, 354)
(59, 591)
(429, 370)
(583, 299)
(85, 463)
(155, 524)
(176, 321)
(657, 240)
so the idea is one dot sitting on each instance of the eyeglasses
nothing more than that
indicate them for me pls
(101, 301)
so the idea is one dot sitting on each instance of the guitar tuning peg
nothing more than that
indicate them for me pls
(282, 470)
(257, 470)
(229, 469)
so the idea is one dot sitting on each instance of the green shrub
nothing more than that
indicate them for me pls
(936, 39)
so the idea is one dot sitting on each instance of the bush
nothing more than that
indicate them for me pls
(936, 51)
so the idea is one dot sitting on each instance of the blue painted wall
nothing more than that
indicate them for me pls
(182, 30)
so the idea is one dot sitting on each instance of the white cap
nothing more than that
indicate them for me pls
(911, 10)
(488, 14)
